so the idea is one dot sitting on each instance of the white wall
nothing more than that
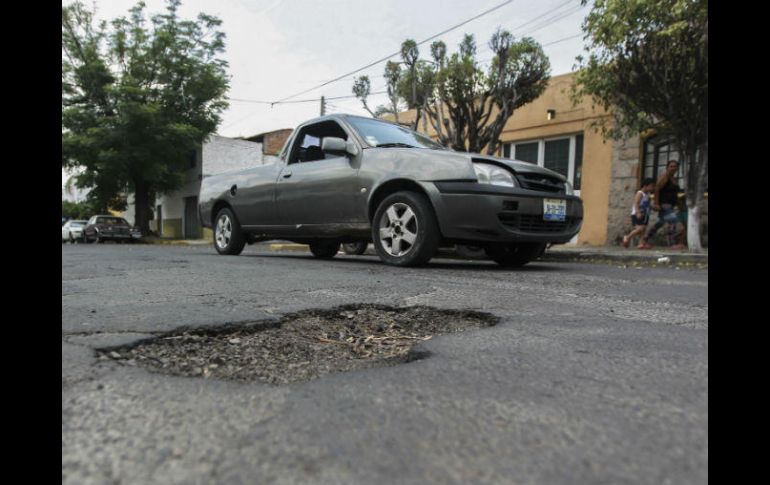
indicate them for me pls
(222, 154)
(219, 155)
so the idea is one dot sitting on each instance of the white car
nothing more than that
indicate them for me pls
(72, 231)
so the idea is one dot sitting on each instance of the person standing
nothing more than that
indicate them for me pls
(666, 190)
(640, 211)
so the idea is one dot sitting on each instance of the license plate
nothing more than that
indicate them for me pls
(554, 209)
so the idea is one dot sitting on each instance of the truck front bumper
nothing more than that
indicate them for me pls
(473, 212)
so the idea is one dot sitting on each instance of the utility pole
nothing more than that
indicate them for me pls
(323, 106)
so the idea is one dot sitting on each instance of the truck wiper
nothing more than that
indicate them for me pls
(395, 145)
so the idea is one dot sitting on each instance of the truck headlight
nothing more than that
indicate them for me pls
(492, 174)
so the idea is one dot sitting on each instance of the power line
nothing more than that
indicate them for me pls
(547, 12)
(484, 61)
(545, 22)
(554, 19)
(562, 40)
(397, 52)
(314, 100)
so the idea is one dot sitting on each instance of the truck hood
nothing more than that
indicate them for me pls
(449, 161)
(519, 166)
(516, 165)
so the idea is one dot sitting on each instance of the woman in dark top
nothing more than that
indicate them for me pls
(666, 190)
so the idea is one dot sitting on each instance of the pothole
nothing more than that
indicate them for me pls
(300, 346)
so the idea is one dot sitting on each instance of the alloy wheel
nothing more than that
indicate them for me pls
(398, 229)
(224, 231)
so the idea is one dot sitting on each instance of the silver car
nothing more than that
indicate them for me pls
(347, 179)
(72, 231)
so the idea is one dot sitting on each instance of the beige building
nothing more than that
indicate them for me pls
(554, 133)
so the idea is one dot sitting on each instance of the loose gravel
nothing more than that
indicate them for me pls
(300, 346)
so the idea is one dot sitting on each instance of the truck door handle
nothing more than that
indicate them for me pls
(287, 174)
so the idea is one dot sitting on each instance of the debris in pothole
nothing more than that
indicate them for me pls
(301, 346)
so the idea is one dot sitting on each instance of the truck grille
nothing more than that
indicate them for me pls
(535, 223)
(543, 183)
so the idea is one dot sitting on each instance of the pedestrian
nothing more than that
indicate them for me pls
(681, 236)
(640, 210)
(665, 202)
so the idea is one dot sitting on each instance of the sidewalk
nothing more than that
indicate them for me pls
(597, 254)
(617, 254)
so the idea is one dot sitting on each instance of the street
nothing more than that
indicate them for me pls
(595, 373)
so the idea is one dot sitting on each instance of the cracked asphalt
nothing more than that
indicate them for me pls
(595, 374)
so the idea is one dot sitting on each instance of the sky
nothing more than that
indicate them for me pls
(278, 48)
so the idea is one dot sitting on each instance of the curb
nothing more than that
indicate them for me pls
(583, 256)
(656, 258)
(178, 242)
(290, 247)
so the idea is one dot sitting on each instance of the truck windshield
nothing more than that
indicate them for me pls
(381, 134)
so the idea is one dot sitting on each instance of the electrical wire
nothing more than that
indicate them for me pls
(554, 17)
(396, 53)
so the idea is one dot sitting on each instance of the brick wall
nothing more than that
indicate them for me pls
(274, 141)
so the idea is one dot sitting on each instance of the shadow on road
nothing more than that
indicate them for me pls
(438, 263)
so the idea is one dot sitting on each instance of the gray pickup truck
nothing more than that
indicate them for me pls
(349, 179)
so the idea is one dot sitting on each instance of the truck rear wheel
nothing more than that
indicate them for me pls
(324, 249)
(355, 249)
(228, 236)
(514, 255)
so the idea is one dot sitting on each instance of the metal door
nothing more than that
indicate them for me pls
(190, 222)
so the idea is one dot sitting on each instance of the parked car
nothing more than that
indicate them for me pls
(107, 228)
(72, 231)
(349, 179)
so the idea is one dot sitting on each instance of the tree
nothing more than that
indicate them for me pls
(648, 66)
(362, 87)
(137, 99)
(392, 77)
(78, 210)
(467, 106)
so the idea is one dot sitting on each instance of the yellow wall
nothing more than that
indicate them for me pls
(172, 228)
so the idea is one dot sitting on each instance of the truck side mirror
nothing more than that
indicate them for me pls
(333, 144)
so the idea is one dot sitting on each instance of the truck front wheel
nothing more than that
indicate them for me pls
(404, 230)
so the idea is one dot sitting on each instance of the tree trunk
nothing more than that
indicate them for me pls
(693, 228)
(142, 207)
(697, 177)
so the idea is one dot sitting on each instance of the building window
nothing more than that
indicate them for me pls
(578, 161)
(658, 151)
(526, 152)
(556, 156)
(562, 154)
(193, 159)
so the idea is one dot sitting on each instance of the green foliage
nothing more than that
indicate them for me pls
(466, 105)
(648, 66)
(78, 210)
(362, 87)
(138, 95)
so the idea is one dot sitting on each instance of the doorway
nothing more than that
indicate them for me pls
(191, 223)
